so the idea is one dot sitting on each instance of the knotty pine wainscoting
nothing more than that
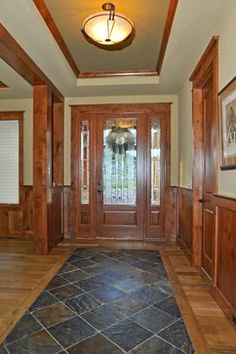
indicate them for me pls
(17, 220)
(223, 243)
(185, 224)
(224, 287)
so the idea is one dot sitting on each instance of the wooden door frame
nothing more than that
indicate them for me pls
(208, 65)
(155, 109)
(47, 99)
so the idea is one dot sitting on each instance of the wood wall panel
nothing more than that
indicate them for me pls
(17, 221)
(208, 235)
(68, 213)
(171, 214)
(224, 288)
(155, 217)
(55, 216)
(112, 217)
(185, 224)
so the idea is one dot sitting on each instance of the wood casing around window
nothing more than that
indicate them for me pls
(16, 219)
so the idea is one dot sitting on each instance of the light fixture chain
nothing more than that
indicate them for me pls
(110, 29)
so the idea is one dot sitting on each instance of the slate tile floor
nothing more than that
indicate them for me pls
(104, 301)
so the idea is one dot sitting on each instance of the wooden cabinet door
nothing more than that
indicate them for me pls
(120, 193)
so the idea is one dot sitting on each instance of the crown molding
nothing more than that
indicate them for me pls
(46, 15)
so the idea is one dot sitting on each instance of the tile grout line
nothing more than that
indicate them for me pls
(173, 345)
(126, 317)
(102, 303)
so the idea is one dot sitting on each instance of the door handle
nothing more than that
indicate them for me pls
(99, 190)
(203, 200)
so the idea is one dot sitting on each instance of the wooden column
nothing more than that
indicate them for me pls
(58, 143)
(42, 165)
(56, 206)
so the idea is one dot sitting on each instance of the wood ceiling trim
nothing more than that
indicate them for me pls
(12, 53)
(207, 58)
(104, 74)
(169, 21)
(46, 15)
(2, 85)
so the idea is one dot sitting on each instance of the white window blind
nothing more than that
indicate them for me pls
(9, 162)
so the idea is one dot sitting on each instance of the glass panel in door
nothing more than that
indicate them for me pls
(119, 162)
(120, 197)
(155, 161)
(84, 162)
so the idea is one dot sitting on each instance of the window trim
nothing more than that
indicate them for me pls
(19, 116)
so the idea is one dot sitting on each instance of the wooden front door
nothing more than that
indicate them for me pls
(120, 176)
(119, 169)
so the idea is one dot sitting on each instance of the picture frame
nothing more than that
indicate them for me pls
(227, 110)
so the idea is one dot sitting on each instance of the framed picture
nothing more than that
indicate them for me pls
(227, 100)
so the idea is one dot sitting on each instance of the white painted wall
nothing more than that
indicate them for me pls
(25, 105)
(123, 99)
(225, 27)
(185, 136)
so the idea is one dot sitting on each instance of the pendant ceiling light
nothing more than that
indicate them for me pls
(107, 28)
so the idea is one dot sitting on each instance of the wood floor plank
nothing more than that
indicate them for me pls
(23, 276)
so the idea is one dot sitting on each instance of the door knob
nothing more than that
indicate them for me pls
(99, 190)
(203, 200)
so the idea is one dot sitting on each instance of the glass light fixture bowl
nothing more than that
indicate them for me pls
(107, 28)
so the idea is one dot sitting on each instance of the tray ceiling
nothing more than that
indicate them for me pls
(149, 20)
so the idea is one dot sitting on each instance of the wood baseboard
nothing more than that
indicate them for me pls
(224, 304)
(184, 248)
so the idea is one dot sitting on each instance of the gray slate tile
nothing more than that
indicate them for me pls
(37, 343)
(156, 345)
(153, 319)
(24, 327)
(97, 344)
(102, 317)
(127, 334)
(71, 331)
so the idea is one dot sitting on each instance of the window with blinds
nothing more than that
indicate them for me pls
(9, 162)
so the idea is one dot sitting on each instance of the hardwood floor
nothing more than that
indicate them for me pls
(24, 275)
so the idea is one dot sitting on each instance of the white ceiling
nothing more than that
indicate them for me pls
(192, 30)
